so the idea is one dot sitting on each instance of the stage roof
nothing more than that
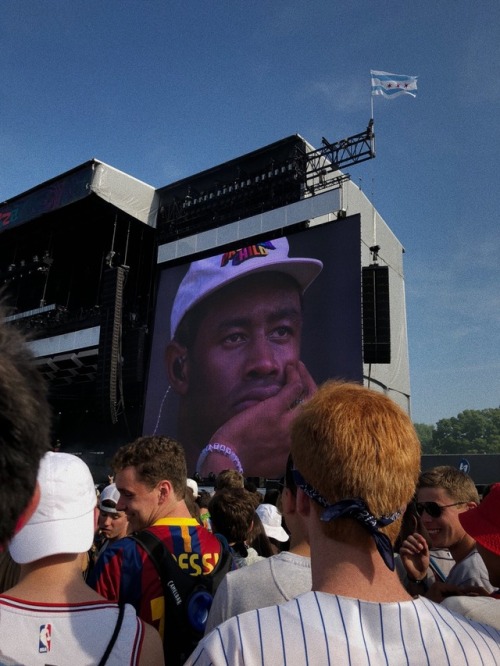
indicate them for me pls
(93, 178)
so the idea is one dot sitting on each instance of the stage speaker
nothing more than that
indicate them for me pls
(108, 378)
(376, 314)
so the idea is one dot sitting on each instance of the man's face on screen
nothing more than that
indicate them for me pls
(248, 334)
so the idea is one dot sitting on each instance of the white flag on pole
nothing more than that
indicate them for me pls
(393, 85)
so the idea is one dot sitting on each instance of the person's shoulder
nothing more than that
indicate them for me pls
(485, 610)
(273, 580)
(248, 574)
(152, 647)
(121, 546)
(468, 563)
(138, 632)
(253, 557)
(114, 555)
(470, 571)
(212, 538)
(447, 611)
(471, 556)
(462, 603)
(472, 559)
(238, 633)
(287, 559)
(204, 536)
(266, 616)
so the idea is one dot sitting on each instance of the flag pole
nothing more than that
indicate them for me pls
(374, 221)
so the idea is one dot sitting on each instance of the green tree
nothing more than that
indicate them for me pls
(425, 433)
(472, 431)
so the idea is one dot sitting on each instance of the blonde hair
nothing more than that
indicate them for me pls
(229, 479)
(348, 442)
(459, 486)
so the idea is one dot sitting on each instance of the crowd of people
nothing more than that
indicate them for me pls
(355, 557)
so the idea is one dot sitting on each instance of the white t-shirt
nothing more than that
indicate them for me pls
(470, 571)
(480, 609)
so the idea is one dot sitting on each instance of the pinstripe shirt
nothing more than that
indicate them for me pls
(319, 629)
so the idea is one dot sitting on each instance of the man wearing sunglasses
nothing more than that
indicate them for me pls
(443, 494)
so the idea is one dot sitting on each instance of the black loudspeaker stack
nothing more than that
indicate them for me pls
(376, 314)
(110, 341)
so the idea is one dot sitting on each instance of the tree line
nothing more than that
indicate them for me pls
(472, 431)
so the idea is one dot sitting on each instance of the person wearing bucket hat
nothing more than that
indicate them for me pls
(234, 357)
(71, 622)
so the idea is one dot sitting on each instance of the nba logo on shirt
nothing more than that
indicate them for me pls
(44, 638)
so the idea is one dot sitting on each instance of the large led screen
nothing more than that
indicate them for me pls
(237, 346)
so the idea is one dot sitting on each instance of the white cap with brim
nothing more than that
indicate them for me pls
(272, 522)
(206, 276)
(191, 483)
(108, 499)
(64, 519)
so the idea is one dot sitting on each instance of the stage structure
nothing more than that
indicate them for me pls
(77, 258)
(83, 257)
(283, 189)
(272, 177)
(354, 320)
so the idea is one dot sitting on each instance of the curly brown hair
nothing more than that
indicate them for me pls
(155, 459)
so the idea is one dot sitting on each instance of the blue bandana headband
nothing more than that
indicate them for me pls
(354, 508)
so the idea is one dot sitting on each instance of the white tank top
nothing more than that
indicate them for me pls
(34, 634)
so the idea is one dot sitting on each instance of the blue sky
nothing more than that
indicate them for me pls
(162, 89)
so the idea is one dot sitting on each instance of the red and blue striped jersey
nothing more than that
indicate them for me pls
(125, 573)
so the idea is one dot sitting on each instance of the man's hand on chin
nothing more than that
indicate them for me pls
(260, 435)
